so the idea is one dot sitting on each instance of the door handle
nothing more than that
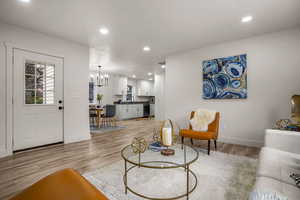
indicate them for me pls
(60, 107)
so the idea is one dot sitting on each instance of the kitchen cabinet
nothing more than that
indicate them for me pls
(120, 111)
(140, 110)
(129, 111)
(120, 85)
(145, 88)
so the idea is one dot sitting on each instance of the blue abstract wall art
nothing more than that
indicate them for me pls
(225, 78)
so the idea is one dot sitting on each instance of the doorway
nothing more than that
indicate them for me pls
(37, 99)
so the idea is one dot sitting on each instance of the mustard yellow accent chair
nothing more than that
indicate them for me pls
(210, 134)
(66, 184)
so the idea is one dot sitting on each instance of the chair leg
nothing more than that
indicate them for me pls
(208, 147)
(97, 122)
(192, 141)
(182, 142)
(215, 144)
(93, 121)
(115, 122)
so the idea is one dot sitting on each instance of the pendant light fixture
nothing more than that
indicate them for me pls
(102, 78)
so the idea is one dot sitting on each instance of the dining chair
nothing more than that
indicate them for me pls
(109, 118)
(93, 116)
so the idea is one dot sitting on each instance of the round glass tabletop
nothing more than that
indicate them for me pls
(184, 155)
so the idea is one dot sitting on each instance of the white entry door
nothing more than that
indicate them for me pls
(37, 99)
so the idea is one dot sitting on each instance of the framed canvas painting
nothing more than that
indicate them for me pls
(225, 78)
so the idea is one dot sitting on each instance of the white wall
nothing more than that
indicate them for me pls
(76, 73)
(159, 92)
(273, 77)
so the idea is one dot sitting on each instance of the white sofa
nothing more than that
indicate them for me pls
(277, 160)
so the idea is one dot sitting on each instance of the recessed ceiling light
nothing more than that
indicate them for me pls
(133, 76)
(25, 1)
(247, 19)
(146, 48)
(150, 79)
(163, 66)
(104, 31)
(149, 74)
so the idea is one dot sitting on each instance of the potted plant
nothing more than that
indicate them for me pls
(99, 98)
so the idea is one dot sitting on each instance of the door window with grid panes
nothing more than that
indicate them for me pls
(39, 83)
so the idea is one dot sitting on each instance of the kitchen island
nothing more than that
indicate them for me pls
(133, 109)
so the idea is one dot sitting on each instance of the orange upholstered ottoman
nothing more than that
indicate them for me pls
(66, 184)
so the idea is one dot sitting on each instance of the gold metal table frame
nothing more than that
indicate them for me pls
(185, 166)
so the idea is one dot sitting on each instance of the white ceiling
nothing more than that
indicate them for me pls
(167, 26)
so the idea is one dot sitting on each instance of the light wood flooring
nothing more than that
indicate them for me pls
(24, 168)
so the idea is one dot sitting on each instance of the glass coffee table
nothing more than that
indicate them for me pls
(183, 158)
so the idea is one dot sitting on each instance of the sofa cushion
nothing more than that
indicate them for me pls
(288, 141)
(274, 186)
(278, 164)
(283, 155)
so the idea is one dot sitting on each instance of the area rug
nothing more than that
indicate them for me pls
(95, 130)
(220, 176)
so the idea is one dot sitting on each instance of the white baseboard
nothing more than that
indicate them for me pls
(245, 142)
(4, 153)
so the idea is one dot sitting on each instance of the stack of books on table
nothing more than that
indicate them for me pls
(156, 146)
